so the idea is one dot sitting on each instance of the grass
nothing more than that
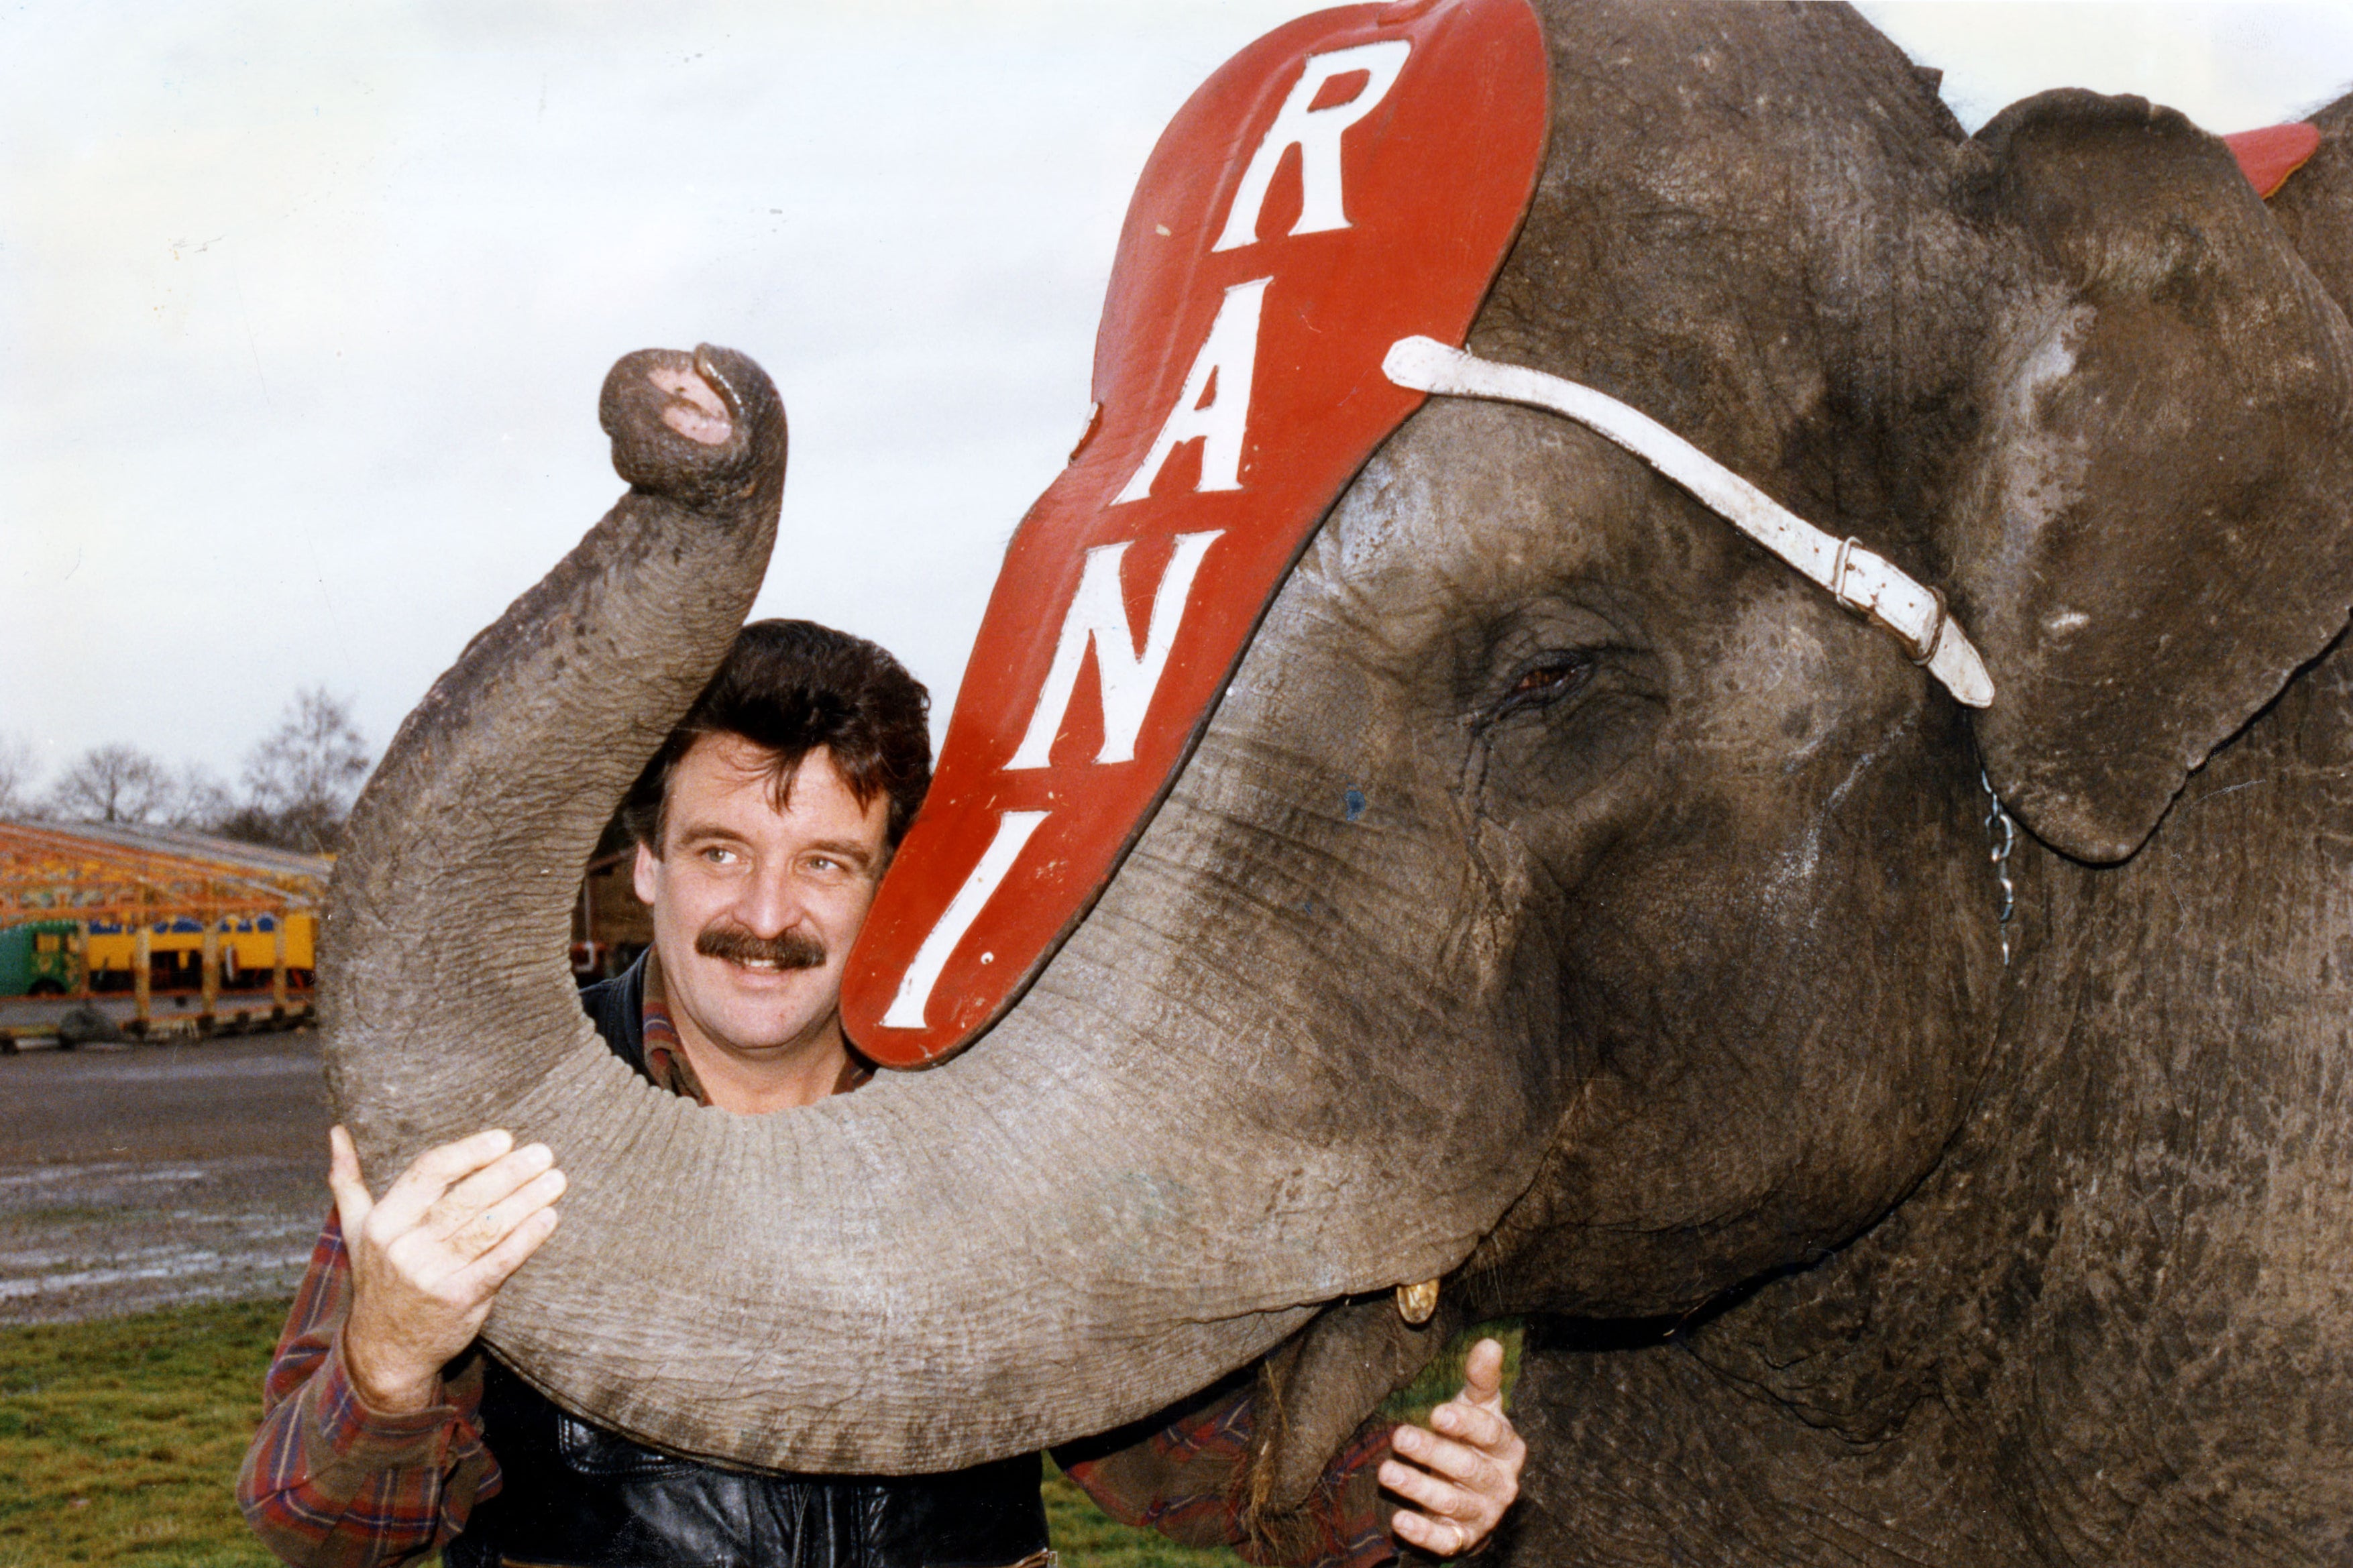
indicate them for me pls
(120, 1441)
(1438, 1382)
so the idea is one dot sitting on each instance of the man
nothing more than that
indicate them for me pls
(762, 827)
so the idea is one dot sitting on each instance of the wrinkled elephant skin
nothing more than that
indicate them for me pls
(1570, 901)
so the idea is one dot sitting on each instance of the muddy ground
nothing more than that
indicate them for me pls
(134, 1177)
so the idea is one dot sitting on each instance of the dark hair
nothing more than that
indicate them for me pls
(790, 687)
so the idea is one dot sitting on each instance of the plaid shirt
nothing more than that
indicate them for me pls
(1185, 1482)
(330, 1483)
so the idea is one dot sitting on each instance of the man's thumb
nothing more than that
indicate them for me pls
(352, 1200)
(1482, 1373)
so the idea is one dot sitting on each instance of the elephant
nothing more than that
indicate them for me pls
(1911, 1135)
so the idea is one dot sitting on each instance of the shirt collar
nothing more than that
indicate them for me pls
(666, 1059)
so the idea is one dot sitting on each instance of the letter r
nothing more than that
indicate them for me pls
(1316, 133)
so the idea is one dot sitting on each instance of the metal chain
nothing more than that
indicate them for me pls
(2004, 835)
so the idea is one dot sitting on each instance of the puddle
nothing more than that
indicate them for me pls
(202, 1266)
(164, 1175)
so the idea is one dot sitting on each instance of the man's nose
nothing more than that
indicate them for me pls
(771, 904)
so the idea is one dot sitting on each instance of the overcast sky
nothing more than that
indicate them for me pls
(303, 307)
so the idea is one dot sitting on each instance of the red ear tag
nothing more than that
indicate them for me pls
(2267, 157)
(1354, 177)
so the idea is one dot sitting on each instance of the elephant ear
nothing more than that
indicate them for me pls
(2155, 535)
(2316, 205)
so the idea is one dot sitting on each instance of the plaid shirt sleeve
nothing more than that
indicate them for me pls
(329, 1483)
(1185, 1482)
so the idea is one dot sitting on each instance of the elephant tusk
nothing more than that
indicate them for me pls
(1417, 1303)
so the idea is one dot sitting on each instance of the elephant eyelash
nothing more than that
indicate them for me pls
(1545, 679)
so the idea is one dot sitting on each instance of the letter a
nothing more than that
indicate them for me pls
(1098, 614)
(1230, 354)
(1316, 133)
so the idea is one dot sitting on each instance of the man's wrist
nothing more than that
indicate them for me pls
(354, 1433)
(392, 1397)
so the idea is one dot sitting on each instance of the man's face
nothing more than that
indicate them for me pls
(755, 909)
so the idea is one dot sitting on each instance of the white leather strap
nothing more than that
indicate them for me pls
(1864, 581)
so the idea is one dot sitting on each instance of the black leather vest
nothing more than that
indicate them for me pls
(575, 1494)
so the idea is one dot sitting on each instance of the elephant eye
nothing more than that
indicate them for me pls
(1544, 680)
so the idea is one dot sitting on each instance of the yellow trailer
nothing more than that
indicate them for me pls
(249, 952)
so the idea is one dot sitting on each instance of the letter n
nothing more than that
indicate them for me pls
(1098, 616)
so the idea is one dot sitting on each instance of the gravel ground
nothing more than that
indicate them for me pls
(36, 1017)
(134, 1177)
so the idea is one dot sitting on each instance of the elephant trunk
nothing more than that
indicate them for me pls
(450, 905)
(1157, 1168)
(1104, 1205)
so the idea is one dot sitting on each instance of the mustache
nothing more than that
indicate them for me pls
(793, 949)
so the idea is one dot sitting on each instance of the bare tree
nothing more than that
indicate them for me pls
(199, 800)
(17, 772)
(114, 784)
(301, 779)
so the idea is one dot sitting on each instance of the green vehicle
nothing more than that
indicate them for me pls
(41, 958)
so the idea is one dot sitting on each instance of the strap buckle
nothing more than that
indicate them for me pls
(1921, 649)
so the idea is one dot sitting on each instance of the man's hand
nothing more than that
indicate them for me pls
(1466, 1472)
(428, 1260)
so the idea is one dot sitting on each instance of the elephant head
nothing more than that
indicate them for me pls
(1566, 901)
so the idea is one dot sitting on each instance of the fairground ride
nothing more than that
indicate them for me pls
(92, 909)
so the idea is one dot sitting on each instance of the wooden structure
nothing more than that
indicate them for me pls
(171, 889)
(610, 926)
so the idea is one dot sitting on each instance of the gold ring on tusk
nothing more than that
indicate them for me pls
(1417, 1303)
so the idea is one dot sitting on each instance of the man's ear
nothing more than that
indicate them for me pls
(643, 872)
(2151, 533)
